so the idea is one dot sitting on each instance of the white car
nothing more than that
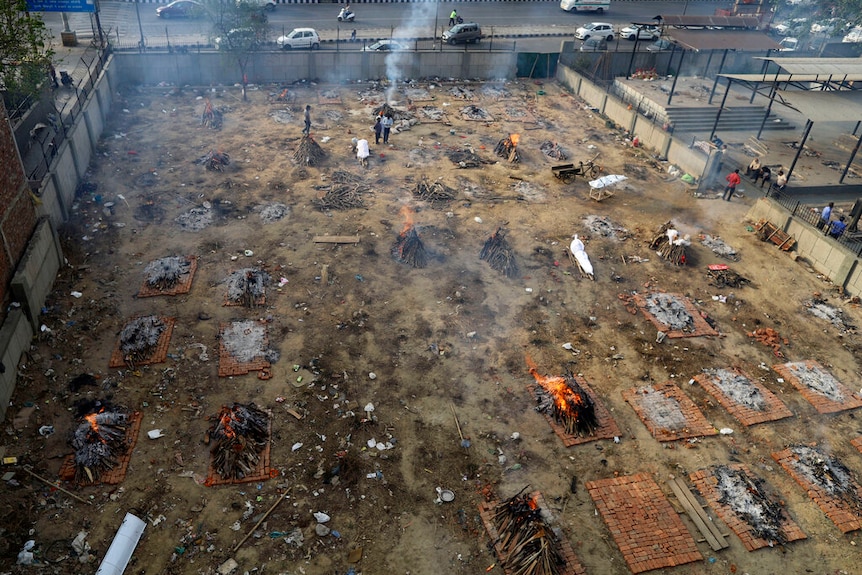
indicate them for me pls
(639, 32)
(788, 44)
(854, 35)
(600, 29)
(299, 38)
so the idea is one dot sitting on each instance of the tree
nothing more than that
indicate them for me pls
(239, 28)
(25, 52)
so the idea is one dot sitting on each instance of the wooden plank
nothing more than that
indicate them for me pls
(336, 239)
(696, 513)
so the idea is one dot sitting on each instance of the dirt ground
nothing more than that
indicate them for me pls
(447, 343)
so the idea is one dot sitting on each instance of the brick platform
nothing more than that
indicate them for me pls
(159, 354)
(228, 364)
(840, 512)
(323, 99)
(262, 472)
(857, 443)
(821, 402)
(486, 510)
(184, 285)
(608, 428)
(774, 408)
(700, 327)
(696, 424)
(521, 114)
(643, 523)
(465, 117)
(706, 483)
(116, 475)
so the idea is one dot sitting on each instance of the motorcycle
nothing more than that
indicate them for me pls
(346, 15)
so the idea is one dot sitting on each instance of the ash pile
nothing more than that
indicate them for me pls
(669, 245)
(507, 148)
(818, 307)
(345, 191)
(530, 546)
(211, 117)
(670, 311)
(215, 161)
(721, 276)
(751, 501)
(497, 92)
(719, 247)
(309, 152)
(603, 226)
(139, 339)
(165, 273)
(665, 412)
(274, 212)
(738, 388)
(476, 113)
(466, 158)
(397, 115)
(553, 150)
(828, 473)
(818, 380)
(246, 341)
(196, 219)
(460, 92)
(238, 436)
(437, 194)
(567, 403)
(433, 113)
(499, 254)
(99, 442)
(247, 287)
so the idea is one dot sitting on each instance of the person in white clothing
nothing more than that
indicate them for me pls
(362, 152)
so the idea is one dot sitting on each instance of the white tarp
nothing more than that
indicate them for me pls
(606, 181)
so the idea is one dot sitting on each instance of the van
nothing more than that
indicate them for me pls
(597, 6)
(465, 33)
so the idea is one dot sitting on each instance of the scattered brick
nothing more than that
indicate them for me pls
(160, 352)
(262, 472)
(608, 428)
(700, 328)
(228, 365)
(184, 285)
(857, 443)
(774, 410)
(643, 523)
(696, 423)
(118, 473)
(820, 402)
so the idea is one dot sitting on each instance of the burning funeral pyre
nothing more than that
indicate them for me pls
(247, 287)
(529, 545)
(408, 248)
(748, 499)
(438, 194)
(384, 109)
(139, 338)
(499, 255)
(238, 435)
(669, 245)
(553, 150)
(211, 117)
(309, 152)
(827, 473)
(167, 272)
(566, 402)
(99, 443)
(508, 148)
(216, 161)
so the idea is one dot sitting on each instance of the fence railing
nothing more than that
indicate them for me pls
(810, 215)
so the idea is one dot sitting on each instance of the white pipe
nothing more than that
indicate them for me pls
(122, 547)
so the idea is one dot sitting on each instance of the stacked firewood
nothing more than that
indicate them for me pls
(238, 435)
(211, 117)
(437, 194)
(508, 149)
(99, 442)
(215, 161)
(528, 544)
(569, 405)
(309, 152)
(139, 338)
(669, 245)
(499, 255)
(341, 197)
(167, 272)
(409, 249)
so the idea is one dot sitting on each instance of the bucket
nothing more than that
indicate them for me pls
(452, 132)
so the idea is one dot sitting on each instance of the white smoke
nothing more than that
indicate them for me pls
(413, 26)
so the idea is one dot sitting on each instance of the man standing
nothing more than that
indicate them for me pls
(733, 180)
(307, 130)
(453, 17)
(825, 216)
(835, 229)
(378, 129)
(387, 126)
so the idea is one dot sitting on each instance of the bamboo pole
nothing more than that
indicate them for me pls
(262, 519)
(57, 487)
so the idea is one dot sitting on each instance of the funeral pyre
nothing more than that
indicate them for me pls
(527, 543)
(670, 311)
(722, 276)
(566, 402)
(466, 158)
(165, 273)
(738, 388)
(309, 152)
(216, 161)
(508, 148)
(211, 117)
(396, 115)
(408, 248)
(238, 435)
(139, 338)
(346, 191)
(553, 150)
(247, 287)
(751, 501)
(99, 442)
(438, 194)
(499, 255)
(669, 245)
(476, 113)
(829, 474)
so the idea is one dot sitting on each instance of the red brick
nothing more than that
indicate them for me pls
(184, 285)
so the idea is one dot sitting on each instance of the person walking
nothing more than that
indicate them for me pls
(825, 216)
(387, 122)
(307, 130)
(733, 180)
(453, 17)
(378, 129)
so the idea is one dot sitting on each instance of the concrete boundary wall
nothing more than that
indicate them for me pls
(34, 278)
(825, 255)
(15, 335)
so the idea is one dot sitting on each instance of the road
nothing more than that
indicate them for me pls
(420, 20)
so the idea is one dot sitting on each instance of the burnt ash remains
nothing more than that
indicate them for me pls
(738, 388)
(750, 500)
(247, 287)
(828, 473)
(165, 273)
(139, 338)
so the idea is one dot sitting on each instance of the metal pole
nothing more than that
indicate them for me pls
(762, 71)
(718, 116)
(676, 76)
(717, 74)
(852, 157)
(634, 51)
(141, 44)
(768, 110)
(808, 125)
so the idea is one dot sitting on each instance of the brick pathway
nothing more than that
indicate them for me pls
(840, 512)
(184, 285)
(773, 410)
(228, 365)
(821, 402)
(696, 424)
(700, 327)
(112, 476)
(608, 428)
(643, 523)
(159, 354)
(706, 483)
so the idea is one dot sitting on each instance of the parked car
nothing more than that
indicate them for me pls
(600, 29)
(299, 38)
(594, 44)
(660, 45)
(181, 9)
(465, 33)
(641, 32)
(385, 46)
(788, 44)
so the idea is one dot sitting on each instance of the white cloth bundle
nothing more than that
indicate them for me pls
(577, 249)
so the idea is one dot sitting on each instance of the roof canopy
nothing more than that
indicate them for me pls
(824, 106)
(722, 40)
(751, 22)
(819, 66)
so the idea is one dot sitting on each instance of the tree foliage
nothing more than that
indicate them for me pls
(239, 27)
(25, 51)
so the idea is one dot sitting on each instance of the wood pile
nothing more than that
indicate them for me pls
(669, 245)
(409, 249)
(341, 197)
(139, 338)
(725, 277)
(238, 435)
(553, 150)
(570, 406)
(508, 149)
(529, 545)
(438, 194)
(309, 152)
(99, 442)
(211, 117)
(215, 161)
(384, 109)
(499, 255)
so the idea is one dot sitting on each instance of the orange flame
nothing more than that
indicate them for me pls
(225, 422)
(514, 138)
(92, 420)
(407, 212)
(557, 387)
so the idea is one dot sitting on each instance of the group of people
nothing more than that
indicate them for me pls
(762, 172)
(382, 128)
(834, 228)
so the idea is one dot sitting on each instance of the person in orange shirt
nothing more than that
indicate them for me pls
(733, 180)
